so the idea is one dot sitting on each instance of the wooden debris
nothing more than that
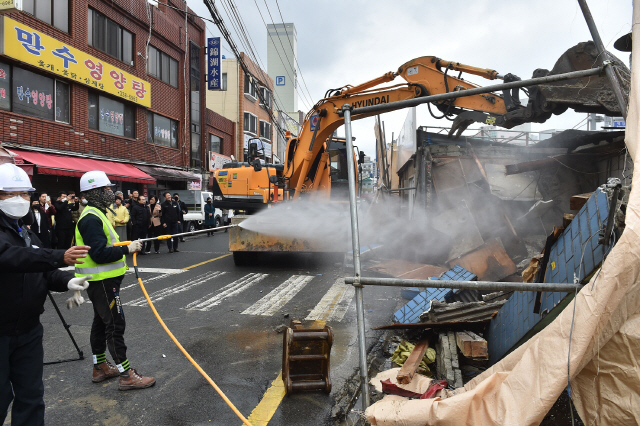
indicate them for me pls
(489, 262)
(577, 201)
(410, 366)
(409, 270)
(567, 218)
(471, 345)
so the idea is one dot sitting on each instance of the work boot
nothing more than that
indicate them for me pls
(103, 371)
(132, 380)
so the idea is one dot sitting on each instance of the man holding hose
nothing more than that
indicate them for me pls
(107, 266)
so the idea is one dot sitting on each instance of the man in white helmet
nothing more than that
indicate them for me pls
(106, 265)
(28, 273)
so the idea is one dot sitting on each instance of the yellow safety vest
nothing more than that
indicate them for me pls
(90, 267)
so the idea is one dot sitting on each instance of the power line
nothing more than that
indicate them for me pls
(217, 20)
(306, 101)
(294, 58)
(250, 50)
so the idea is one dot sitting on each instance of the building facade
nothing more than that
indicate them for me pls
(117, 82)
(241, 101)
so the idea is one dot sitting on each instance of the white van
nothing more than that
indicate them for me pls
(195, 201)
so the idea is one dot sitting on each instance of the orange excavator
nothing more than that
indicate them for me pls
(307, 169)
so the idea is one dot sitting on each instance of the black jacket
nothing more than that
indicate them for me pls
(63, 214)
(90, 228)
(140, 215)
(170, 212)
(28, 273)
(183, 209)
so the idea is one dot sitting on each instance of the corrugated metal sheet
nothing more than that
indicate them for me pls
(410, 313)
(460, 311)
(516, 318)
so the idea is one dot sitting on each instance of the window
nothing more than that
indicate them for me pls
(111, 116)
(215, 143)
(53, 12)
(162, 130)
(162, 66)
(265, 130)
(223, 81)
(249, 87)
(266, 97)
(28, 93)
(250, 123)
(111, 38)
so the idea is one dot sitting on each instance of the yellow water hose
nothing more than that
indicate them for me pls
(183, 350)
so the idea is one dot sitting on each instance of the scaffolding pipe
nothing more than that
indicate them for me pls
(603, 55)
(392, 106)
(466, 285)
(357, 270)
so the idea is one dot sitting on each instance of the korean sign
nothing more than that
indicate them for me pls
(213, 63)
(216, 161)
(33, 47)
(10, 4)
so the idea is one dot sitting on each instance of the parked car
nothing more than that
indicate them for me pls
(195, 201)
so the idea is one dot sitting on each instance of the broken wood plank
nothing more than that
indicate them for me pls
(567, 218)
(577, 201)
(408, 370)
(489, 262)
(471, 345)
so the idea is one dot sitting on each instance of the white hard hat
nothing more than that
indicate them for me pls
(13, 178)
(94, 179)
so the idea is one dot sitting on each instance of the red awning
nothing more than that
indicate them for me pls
(63, 165)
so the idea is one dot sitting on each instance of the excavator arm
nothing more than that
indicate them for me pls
(305, 168)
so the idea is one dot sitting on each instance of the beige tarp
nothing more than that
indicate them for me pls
(605, 344)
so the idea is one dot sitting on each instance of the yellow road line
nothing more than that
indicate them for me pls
(206, 261)
(266, 408)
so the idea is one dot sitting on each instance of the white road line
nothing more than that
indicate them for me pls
(145, 270)
(210, 300)
(145, 280)
(178, 288)
(279, 296)
(334, 303)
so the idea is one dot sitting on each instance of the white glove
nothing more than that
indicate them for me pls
(77, 285)
(135, 246)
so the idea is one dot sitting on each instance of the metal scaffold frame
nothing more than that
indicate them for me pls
(358, 281)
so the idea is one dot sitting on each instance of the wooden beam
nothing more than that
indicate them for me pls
(408, 370)
(567, 218)
(577, 201)
(471, 345)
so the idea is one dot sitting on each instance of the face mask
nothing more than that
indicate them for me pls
(15, 207)
(85, 202)
(208, 201)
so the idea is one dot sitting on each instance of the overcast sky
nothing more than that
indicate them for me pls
(350, 42)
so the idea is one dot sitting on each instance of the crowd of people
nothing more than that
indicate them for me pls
(132, 218)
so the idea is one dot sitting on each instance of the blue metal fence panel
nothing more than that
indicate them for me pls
(576, 243)
(410, 313)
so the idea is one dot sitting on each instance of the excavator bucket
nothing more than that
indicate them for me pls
(589, 94)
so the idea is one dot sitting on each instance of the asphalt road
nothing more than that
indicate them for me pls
(226, 317)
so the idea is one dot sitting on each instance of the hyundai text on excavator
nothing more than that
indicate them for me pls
(307, 170)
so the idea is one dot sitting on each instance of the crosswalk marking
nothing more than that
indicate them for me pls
(210, 300)
(334, 303)
(279, 296)
(178, 288)
(146, 280)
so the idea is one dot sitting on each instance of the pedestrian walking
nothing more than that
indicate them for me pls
(170, 220)
(64, 205)
(42, 224)
(155, 230)
(119, 217)
(29, 272)
(181, 213)
(106, 265)
(209, 216)
(140, 220)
